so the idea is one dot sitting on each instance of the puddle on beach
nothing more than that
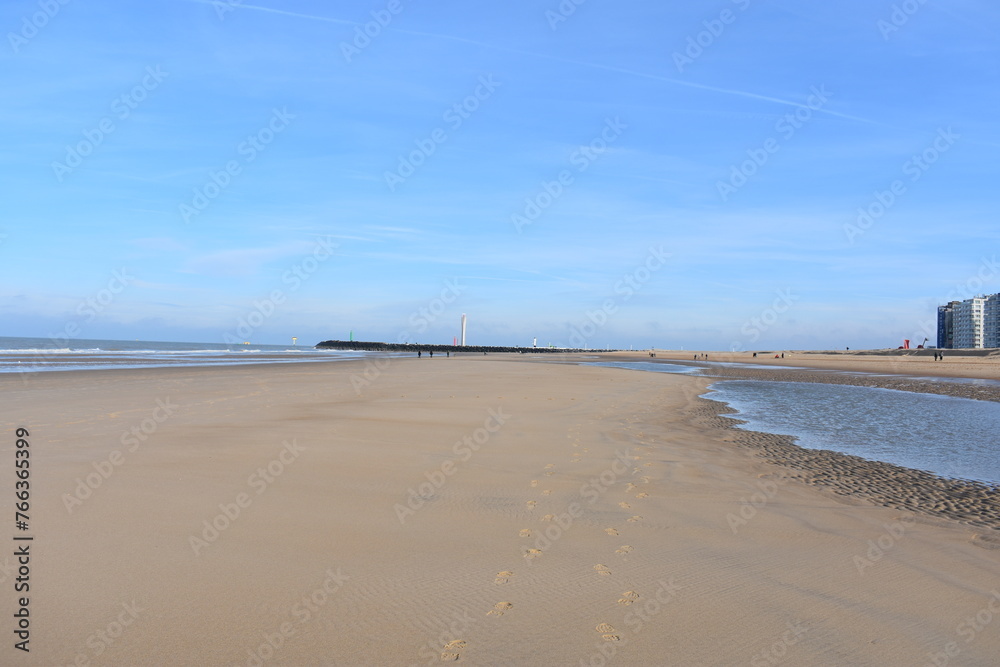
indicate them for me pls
(948, 436)
(945, 435)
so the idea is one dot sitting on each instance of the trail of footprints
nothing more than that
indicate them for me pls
(606, 630)
(627, 598)
(452, 650)
(499, 608)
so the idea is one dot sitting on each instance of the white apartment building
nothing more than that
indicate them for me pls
(969, 322)
(991, 321)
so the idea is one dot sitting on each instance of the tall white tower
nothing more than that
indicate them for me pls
(463, 330)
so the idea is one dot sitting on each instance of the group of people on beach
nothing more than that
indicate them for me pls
(938, 355)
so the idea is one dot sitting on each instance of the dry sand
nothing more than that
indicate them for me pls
(559, 514)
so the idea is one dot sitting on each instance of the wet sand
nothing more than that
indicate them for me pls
(484, 510)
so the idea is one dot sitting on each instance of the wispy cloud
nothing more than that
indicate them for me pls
(464, 40)
(270, 10)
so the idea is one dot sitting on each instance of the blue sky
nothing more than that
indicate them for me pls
(613, 174)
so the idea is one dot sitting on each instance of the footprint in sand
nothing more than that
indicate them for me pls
(624, 505)
(532, 553)
(547, 492)
(503, 577)
(602, 570)
(642, 495)
(450, 652)
(623, 549)
(525, 532)
(534, 483)
(548, 517)
(628, 597)
(610, 531)
(549, 473)
(635, 518)
(550, 466)
(648, 465)
(630, 486)
(499, 608)
(531, 504)
(644, 480)
(607, 631)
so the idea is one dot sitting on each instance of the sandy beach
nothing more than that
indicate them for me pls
(489, 510)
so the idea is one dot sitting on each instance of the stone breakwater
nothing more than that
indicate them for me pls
(902, 383)
(367, 346)
(852, 477)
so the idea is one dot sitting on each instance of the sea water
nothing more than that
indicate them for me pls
(26, 355)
